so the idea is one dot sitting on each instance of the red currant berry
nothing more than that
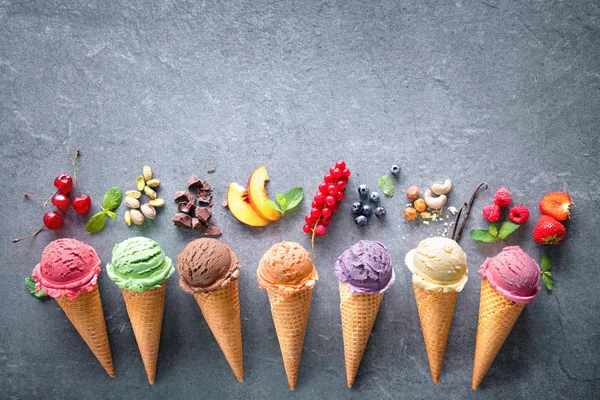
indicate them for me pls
(64, 183)
(326, 212)
(307, 229)
(341, 165)
(323, 188)
(314, 204)
(53, 220)
(309, 220)
(315, 213)
(340, 196)
(336, 173)
(346, 173)
(320, 230)
(319, 198)
(325, 221)
(82, 203)
(334, 207)
(332, 190)
(330, 200)
(341, 185)
(328, 178)
(61, 201)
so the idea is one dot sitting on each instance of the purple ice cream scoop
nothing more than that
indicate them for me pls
(366, 267)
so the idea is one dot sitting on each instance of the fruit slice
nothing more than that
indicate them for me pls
(257, 194)
(557, 205)
(239, 205)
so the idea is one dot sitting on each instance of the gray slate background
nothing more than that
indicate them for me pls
(473, 91)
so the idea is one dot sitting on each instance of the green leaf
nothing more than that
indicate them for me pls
(292, 198)
(482, 235)
(112, 198)
(30, 283)
(110, 214)
(548, 281)
(493, 230)
(387, 185)
(546, 262)
(507, 228)
(273, 205)
(96, 223)
(281, 200)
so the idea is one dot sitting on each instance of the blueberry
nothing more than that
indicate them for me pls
(367, 210)
(363, 190)
(357, 207)
(374, 197)
(380, 212)
(361, 220)
(395, 170)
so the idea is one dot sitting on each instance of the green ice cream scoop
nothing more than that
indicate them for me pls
(139, 264)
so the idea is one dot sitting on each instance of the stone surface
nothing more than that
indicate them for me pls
(506, 93)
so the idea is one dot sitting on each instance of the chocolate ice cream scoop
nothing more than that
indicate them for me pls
(206, 265)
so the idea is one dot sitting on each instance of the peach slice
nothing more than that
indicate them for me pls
(257, 194)
(239, 205)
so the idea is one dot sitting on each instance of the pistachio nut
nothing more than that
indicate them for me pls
(128, 218)
(132, 202)
(149, 192)
(158, 202)
(139, 183)
(147, 172)
(148, 211)
(153, 183)
(137, 217)
(136, 194)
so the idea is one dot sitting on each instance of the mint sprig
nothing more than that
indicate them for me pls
(546, 264)
(387, 185)
(493, 233)
(112, 200)
(30, 283)
(286, 202)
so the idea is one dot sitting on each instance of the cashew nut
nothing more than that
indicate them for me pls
(442, 188)
(434, 202)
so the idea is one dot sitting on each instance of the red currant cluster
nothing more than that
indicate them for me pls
(325, 203)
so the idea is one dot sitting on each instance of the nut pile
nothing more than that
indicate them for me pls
(429, 207)
(196, 216)
(138, 212)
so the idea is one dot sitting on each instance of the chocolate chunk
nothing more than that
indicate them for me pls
(196, 224)
(191, 198)
(182, 220)
(210, 171)
(181, 196)
(194, 182)
(185, 207)
(206, 186)
(213, 230)
(203, 214)
(206, 200)
(224, 203)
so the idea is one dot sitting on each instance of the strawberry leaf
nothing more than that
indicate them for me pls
(30, 283)
(482, 235)
(546, 263)
(507, 228)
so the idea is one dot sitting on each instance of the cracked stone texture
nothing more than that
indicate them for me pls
(506, 93)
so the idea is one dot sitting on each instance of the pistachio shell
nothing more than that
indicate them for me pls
(137, 217)
(147, 173)
(148, 211)
(153, 183)
(128, 218)
(149, 192)
(136, 194)
(132, 202)
(158, 202)
(139, 183)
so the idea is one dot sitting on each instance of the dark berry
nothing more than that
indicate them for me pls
(53, 220)
(367, 210)
(395, 170)
(361, 220)
(64, 183)
(363, 190)
(82, 203)
(357, 207)
(380, 212)
(374, 197)
(61, 201)
(320, 230)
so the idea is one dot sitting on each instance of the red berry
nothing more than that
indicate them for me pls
(557, 205)
(334, 207)
(518, 214)
(315, 213)
(332, 190)
(346, 173)
(491, 212)
(326, 212)
(61, 201)
(336, 173)
(64, 183)
(320, 230)
(82, 203)
(340, 197)
(340, 164)
(502, 197)
(315, 204)
(53, 220)
(325, 221)
(310, 220)
(328, 178)
(341, 185)
(330, 201)
(307, 229)
(549, 231)
(323, 188)
(319, 198)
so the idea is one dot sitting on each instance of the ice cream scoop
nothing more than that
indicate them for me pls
(366, 267)
(513, 273)
(68, 267)
(138, 264)
(288, 267)
(206, 265)
(438, 264)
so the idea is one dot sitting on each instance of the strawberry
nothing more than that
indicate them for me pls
(549, 231)
(557, 205)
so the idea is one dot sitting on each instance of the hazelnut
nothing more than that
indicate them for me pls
(410, 214)
(412, 193)
(420, 205)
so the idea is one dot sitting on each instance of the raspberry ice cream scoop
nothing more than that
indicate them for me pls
(68, 268)
(512, 273)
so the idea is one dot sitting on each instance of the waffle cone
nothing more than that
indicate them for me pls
(436, 310)
(497, 316)
(359, 312)
(145, 311)
(86, 315)
(221, 310)
(290, 315)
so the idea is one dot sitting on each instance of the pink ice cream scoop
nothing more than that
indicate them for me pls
(513, 274)
(68, 268)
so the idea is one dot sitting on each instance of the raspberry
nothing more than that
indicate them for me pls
(518, 214)
(502, 197)
(491, 212)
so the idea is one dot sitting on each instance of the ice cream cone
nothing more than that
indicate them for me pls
(497, 316)
(145, 311)
(290, 315)
(436, 309)
(85, 313)
(221, 310)
(359, 312)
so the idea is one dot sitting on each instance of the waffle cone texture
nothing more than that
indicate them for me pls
(86, 315)
(145, 310)
(221, 310)
(497, 316)
(358, 312)
(290, 316)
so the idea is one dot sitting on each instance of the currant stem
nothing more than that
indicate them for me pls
(464, 223)
(312, 239)
(30, 236)
(75, 170)
(457, 219)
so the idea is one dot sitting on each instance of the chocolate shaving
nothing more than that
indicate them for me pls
(213, 230)
(185, 207)
(194, 182)
(182, 220)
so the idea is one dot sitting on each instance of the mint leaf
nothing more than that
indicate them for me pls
(273, 205)
(482, 235)
(30, 283)
(493, 230)
(387, 185)
(112, 198)
(96, 223)
(110, 214)
(548, 281)
(281, 200)
(292, 198)
(507, 228)
(546, 262)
